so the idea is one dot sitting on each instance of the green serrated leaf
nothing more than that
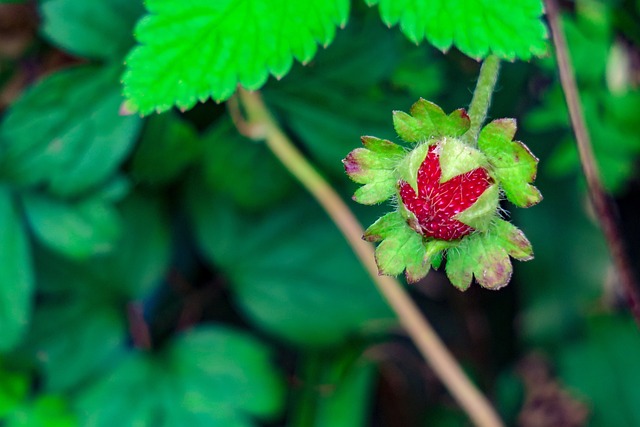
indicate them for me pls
(66, 131)
(191, 51)
(76, 229)
(509, 30)
(94, 29)
(457, 158)
(512, 162)
(16, 273)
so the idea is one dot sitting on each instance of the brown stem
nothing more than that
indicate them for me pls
(601, 202)
(138, 327)
(418, 328)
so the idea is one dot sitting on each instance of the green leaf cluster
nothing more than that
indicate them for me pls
(61, 145)
(208, 364)
(189, 52)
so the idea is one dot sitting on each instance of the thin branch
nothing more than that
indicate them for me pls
(482, 97)
(601, 202)
(138, 327)
(421, 332)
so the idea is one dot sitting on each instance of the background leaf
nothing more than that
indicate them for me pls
(335, 389)
(212, 376)
(66, 131)
(607, 352)
(167, 147)
(311, 272)
(609, 111)
(46, 411)
(243, 169)
(13, 390)
(96, 29)
(16, 276)
(76, 229)
(87, 338)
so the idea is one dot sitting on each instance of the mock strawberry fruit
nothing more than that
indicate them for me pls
(436, 204)
(446, 189)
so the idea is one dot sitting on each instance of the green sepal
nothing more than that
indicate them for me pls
(457, 158)
(435, 250)
(436, 261)
(483, 211)
(402, 249)
(426, 120)
(513, 165)
(383, 227)
(374, 166)
(513, 240)
(485, 256)
(409, 166)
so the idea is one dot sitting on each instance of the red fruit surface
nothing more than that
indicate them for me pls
(437, 203)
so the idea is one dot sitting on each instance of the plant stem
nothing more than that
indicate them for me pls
(138, 327)
(482, 97)
(601, 202)
(421, 332)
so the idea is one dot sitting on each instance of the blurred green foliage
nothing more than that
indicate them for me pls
(167, 271)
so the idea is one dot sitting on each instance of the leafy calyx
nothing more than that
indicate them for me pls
(447, 195)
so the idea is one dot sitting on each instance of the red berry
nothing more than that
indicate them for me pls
(437, 203)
